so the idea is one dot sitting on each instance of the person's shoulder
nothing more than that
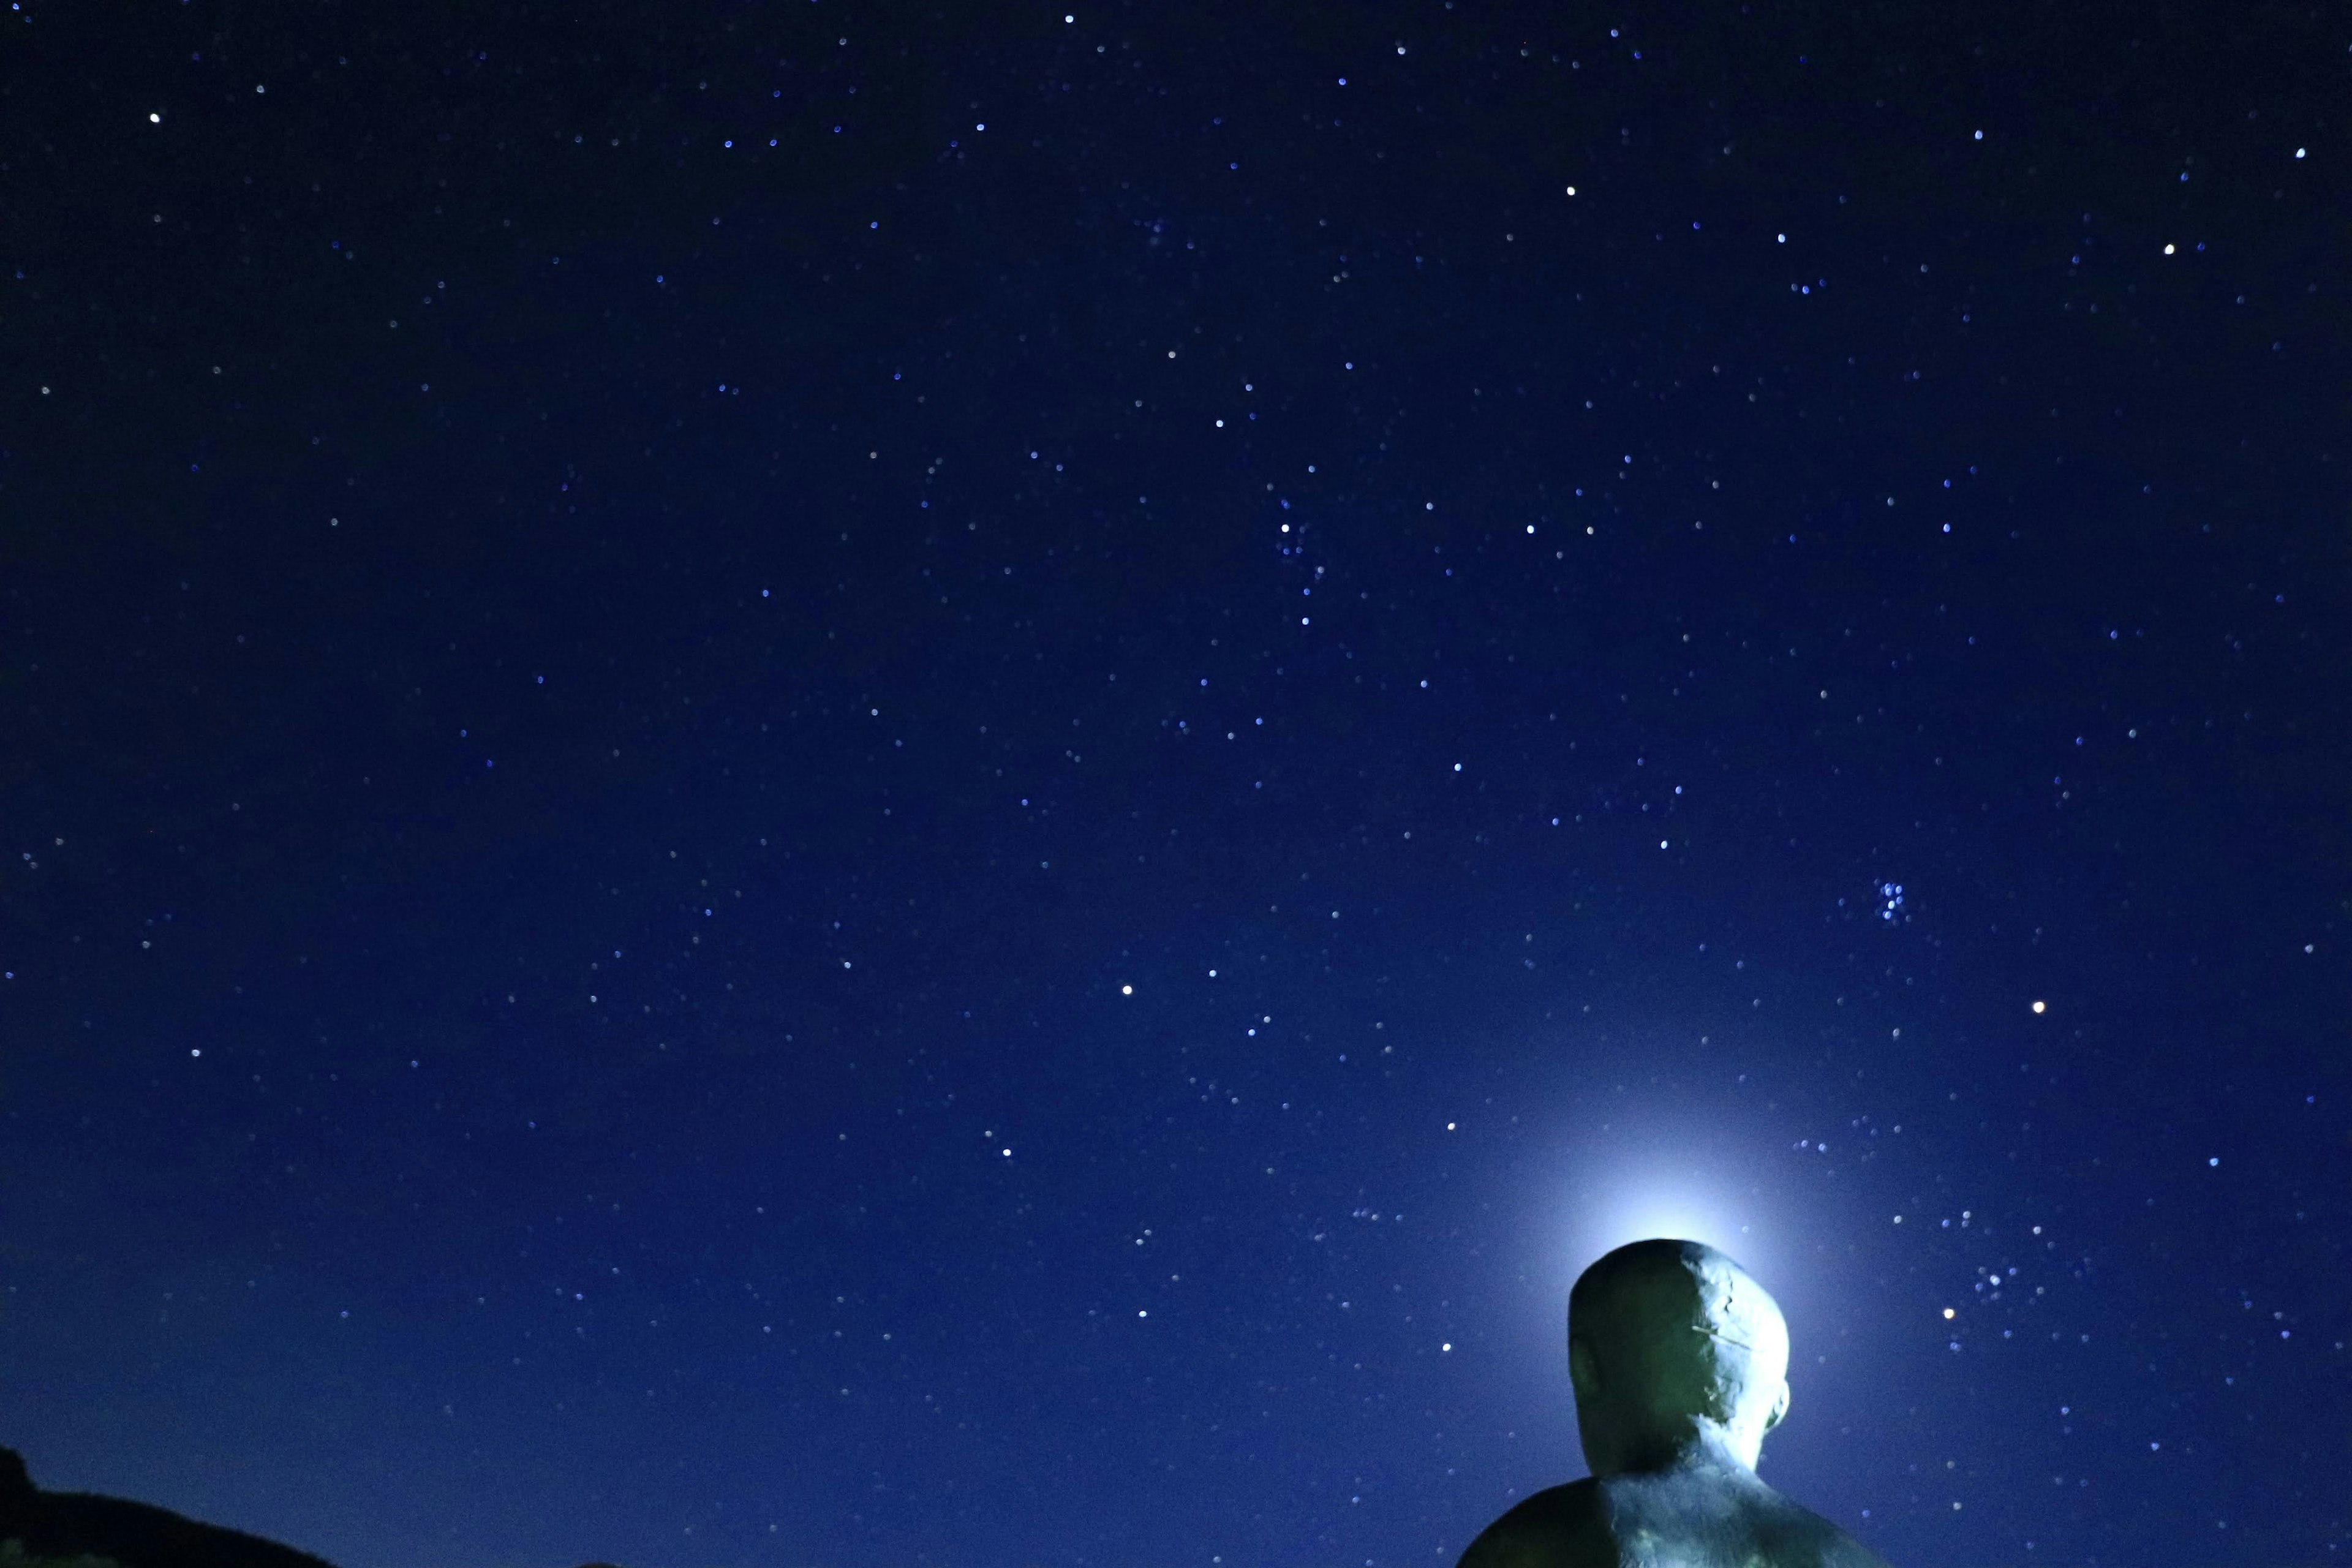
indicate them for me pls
(1559, 1527)
(1802, 1536)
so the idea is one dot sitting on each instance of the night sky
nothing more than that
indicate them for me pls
(847, 785)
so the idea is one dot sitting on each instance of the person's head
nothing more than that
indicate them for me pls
(1673, 1350)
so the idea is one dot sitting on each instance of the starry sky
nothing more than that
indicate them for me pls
(853, 784)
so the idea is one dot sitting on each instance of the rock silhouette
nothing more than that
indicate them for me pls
(133, 1535)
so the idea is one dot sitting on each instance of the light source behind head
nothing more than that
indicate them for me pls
(1693, 1176)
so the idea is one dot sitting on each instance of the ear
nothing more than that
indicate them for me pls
(1581, 1373)
(1780, 1406)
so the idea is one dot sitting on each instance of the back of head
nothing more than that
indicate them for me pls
(1674, 1350)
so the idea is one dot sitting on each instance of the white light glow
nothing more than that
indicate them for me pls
(1694, 1174)
(1656, 1194)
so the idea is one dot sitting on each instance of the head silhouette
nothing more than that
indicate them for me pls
(1676, 1353)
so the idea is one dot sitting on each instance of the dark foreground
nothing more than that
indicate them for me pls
(50, 1525)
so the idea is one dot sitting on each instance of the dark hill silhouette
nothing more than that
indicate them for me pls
(134, 1534)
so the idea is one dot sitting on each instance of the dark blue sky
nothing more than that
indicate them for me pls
(869, 784)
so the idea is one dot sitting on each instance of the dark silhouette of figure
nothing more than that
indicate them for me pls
(134, 1534)
(1680, 1363)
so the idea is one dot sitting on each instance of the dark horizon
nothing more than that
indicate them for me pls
(873, 783)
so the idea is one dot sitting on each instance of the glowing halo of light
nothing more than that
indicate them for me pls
(1686, 1205)
(1641, 1188)
(1626, 1142)
(1694, 1176)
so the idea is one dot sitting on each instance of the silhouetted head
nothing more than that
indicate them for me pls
(1675, 1352)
